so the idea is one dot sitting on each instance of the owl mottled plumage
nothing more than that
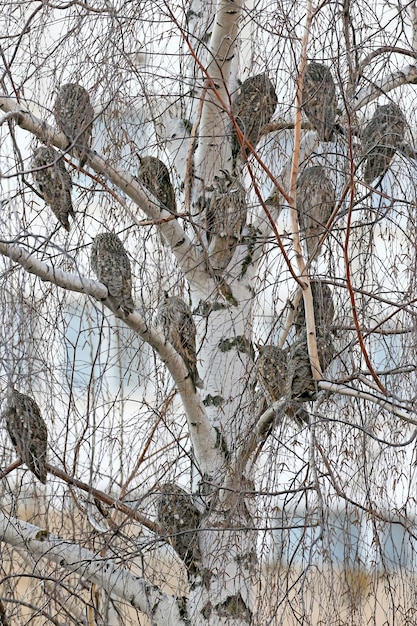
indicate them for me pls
(180, 518)
(225, 218)
(253, 107)
(154, 175)
(300, 377)
(380, 138)
(111, 265)
(272, 373)
(28, 432)
(319, 99)
(316, 200)
(54, 183)
(288, 374)
(74, 116)
(175, 320)
(323, 309)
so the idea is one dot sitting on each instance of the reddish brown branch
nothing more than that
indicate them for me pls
(348, 272)
(105, 498)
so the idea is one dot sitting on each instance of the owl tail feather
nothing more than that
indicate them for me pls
(198, 383)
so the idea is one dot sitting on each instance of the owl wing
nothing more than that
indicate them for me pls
(187, 332)
(28, 433)
(319, 99)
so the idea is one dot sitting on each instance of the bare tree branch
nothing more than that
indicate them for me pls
(344, 390)
(72, 282)
(101, 571)
(383, 50)
(405, 76)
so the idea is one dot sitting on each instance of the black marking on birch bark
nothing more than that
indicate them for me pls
(205, 308)
(234, 606)
(210, 400)
(240, 342)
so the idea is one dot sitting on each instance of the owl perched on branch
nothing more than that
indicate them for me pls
(319, 99)
(74, 116)
(154, 175)
(225, 218)
(28, 432)
(175, 319)
(179, 518)
(300, 376)
(380, 139)
(111, 265)
(323, 309)
(54, 182)
(288, 374)
(271, 369)
(252, 108)
(316, 200)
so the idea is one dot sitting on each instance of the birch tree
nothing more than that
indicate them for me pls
(281, 491)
